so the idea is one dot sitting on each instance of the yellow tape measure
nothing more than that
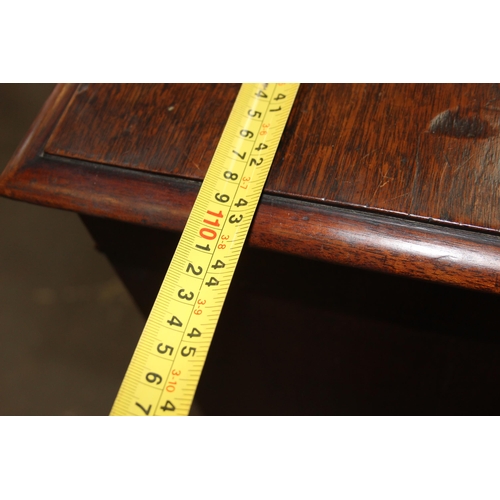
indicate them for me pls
(165, 369)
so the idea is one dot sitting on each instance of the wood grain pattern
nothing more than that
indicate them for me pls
(316, 204)
(169, 129)
(375, 344)
(429, 152)
(424, 151)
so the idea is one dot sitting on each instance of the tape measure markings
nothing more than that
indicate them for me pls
(183, 319)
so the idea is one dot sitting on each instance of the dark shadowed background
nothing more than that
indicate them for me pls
(63, 311)
(68, 327)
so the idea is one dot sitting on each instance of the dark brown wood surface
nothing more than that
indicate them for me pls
(365, 175)
(303, 337)
(427, 151)
(169, 129)
(398, 179)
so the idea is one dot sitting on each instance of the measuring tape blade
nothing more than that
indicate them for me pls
(166, 366)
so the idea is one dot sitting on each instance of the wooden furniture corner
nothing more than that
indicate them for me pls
(377, 236)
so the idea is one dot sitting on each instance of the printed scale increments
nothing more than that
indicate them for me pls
(165, 369)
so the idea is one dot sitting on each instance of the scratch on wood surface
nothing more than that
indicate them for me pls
(381, 185)
(189, 159)
(399, 196)
(460, 165)
(417, 170)
(386, 182)
(443, 171)
(368, 154)
(491, 108)
(476, 154)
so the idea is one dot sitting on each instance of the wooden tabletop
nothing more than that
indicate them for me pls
(399, 178)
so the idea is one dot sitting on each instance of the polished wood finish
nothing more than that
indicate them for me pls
(304, 337)
(423, 151)
(366, 175)
(398, 180)
(166, 129)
